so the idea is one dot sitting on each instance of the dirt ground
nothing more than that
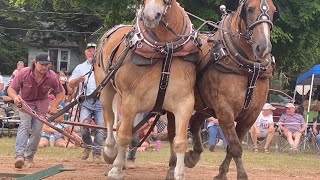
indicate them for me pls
(90, 170)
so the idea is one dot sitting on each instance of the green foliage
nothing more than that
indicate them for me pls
(296, 37)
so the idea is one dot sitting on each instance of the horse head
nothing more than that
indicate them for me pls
(153, 11)
(255, 23)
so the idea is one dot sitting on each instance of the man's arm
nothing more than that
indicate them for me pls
(75, 82)
(14, 95)
(314, 128)
(55, 104)
(1, 86)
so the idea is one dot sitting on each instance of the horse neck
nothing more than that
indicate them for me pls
(174, 18)
(238, 25)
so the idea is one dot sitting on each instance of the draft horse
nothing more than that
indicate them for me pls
(233, 78)
(163, 31)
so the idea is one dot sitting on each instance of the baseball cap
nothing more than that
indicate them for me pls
(290, 105)
(43, 58)
(268, 106)
(89, 45)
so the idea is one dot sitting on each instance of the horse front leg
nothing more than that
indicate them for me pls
(234, 149)
(173, 157)
(182, 118)
(193, 156)
(124, 137)
(109, 152)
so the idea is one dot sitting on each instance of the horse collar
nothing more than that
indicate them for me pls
(148, 45)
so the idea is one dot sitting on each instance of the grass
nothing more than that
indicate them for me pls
(273, 161)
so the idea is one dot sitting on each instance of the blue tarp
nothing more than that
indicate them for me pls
(305, 78)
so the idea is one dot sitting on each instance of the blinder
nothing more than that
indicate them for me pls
(276, 15)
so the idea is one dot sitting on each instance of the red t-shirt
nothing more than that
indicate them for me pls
(33, 93)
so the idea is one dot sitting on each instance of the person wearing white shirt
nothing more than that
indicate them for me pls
(263, 128)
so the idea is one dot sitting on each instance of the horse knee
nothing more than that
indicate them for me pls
(180, 146)
(235, 150)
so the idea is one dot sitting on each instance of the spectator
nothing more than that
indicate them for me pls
(263, 128)
(314, 108)
(89, 107)
(20, 65)
(9, 104)
(292, 126)
(214, 129)
(59, 139)
(32, 85)
(316, 130)
(68, 90)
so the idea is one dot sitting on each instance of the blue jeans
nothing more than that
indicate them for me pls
(318, 140)
(213, 132)
(26, 146)
(89, 110)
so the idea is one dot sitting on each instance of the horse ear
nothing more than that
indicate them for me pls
(276, 15)
(232, 4)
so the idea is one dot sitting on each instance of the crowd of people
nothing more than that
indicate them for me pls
(45, 91)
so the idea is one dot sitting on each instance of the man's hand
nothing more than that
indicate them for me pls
(82, 79)
(17, 100)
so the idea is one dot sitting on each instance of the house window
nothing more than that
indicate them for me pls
(60, 59)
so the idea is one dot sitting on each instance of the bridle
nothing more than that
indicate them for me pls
(264, 17)
(166, 2)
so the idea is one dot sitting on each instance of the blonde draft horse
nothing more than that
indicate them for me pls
(138, 85)
(224, 77)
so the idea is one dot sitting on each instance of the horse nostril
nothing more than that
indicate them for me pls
(158, 16)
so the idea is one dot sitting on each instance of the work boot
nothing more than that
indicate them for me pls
(97, 158)
(211, 148)
(29, 163)
(85, 154)
(19, 162)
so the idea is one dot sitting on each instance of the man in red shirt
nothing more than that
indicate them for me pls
(32, 84)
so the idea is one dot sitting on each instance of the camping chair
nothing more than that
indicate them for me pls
(260, 141)
(284, 145)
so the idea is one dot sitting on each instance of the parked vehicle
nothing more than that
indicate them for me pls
(278, 99)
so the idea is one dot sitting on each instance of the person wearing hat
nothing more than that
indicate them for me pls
(32, 85)
(292, 125)
(263, 128)
(89, 107)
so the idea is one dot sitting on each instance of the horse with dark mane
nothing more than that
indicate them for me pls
(155, 56)
(233, 78)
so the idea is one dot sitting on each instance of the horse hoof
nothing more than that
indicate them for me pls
(109, 156)
(220, 177)
(179, 177)
(170, 174)
(191, 159)
(115, 174)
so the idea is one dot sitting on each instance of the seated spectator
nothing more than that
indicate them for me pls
(143, 131)
(263, 128)
(9, 106)
(59, 139)
(292, 125)
(314, 108)
(214, 129)
(316, 130)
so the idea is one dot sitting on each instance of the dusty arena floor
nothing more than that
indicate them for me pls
(90, 170)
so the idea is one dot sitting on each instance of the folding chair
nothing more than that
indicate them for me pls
(260, 141)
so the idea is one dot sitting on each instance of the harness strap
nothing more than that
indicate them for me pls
(150, 129)
(252, 85)
(164, 80)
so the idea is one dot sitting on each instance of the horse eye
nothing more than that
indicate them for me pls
(251, 10)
